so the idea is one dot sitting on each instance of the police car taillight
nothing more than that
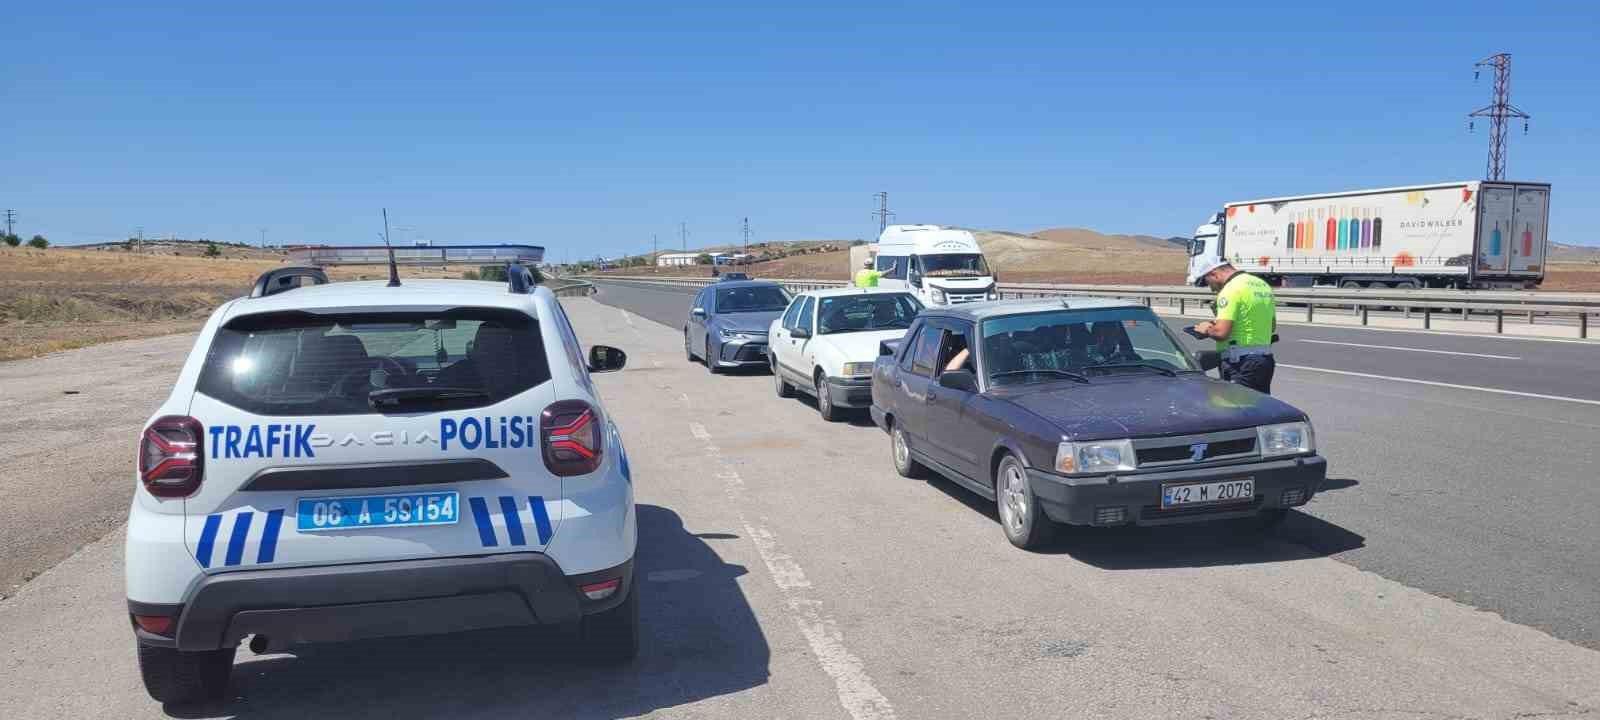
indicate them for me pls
(172, 456)
(572, 437)
(601, 590)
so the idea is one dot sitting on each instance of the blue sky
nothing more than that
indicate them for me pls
(588, 128)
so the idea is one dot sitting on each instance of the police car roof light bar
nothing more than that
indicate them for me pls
(284, 279)
(420, 255)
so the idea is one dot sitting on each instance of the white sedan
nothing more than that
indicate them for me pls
(827, 341)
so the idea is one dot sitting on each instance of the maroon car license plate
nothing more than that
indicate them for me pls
(1236, 490)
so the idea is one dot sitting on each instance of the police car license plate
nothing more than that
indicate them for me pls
(1237, 490)
(371, 511)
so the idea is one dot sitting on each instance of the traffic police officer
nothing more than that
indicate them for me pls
(867, 277)
(1247, 318)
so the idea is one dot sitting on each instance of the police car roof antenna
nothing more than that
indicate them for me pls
(394, 272)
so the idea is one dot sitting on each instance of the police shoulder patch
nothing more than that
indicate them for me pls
(1222, 302)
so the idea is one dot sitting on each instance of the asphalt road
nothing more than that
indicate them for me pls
(69, 428)
(790, 573)
(1482, 497)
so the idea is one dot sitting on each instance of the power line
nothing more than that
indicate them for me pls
(882, 213)
(1498, 112)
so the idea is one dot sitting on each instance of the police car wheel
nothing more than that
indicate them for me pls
(174, 676)
(612, 636)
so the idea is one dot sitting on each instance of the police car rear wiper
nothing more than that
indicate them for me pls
(395, 397)
(1169, 372)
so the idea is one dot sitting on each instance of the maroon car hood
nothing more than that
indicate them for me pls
(1146, 406)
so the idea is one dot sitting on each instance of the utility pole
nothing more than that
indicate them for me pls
(11, 221)
(882, 213)
(683, 235)
(263, 237)
(1498, 112)
(747, 236)
(655, 247)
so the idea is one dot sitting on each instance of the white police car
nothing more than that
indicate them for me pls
(350, 460)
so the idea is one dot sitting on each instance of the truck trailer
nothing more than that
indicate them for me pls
(1471, 234)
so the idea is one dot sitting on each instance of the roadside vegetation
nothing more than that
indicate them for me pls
(56, 298)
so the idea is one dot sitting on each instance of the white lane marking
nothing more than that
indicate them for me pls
(1497, 391)
(1406, 349)
(851, 683)
(1486, 334)
(626, 317)
(1435, 400)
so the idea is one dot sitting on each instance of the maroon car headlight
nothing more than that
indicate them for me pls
(1100, 456)
(1296, 438)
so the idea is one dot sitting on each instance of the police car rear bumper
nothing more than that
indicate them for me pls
(372, 600)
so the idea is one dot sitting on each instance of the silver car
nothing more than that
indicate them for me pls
(727, 325)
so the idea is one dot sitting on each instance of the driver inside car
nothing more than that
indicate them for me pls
(1109, 343)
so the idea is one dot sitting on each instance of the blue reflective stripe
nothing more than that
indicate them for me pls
(541, 518)
(241, 530)
(480, 515)
(508, 508)
(208, 535)
(269, 537)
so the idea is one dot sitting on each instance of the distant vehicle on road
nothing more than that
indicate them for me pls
(358, 460)
(1475, 234)
(734, 276)
(940, 265)
(727, 325)
(1086, 412)
(827, 341)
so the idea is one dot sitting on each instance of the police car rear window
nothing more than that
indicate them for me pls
(305, 364)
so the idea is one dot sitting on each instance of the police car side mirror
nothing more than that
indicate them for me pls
(1209, 359)
(698, 312)
(604, 358)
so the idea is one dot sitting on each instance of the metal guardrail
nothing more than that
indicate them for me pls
(1361, 302)
(566, 287)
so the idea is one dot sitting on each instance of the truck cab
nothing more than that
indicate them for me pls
(1204, 246)
(940, 265)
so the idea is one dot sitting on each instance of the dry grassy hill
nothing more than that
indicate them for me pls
(1057, 255)
(1077, 255)
(70, 297)
(1562, 253)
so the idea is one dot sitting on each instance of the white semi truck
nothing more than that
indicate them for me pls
(1473, 234)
